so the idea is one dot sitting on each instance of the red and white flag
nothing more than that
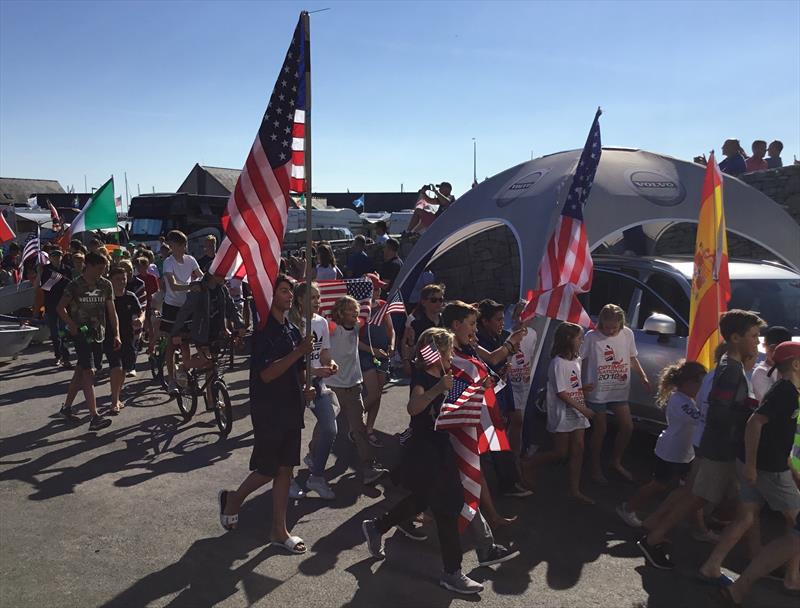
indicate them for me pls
(393, 306)
(430, 355)
(566, 268)
(255, 217)
(55, 219)
(6, 234)
(330, 291)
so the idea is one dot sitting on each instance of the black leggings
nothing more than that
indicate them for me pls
(446, 527)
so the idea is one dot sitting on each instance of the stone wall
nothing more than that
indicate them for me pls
(781, 185)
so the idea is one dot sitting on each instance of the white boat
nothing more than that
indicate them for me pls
(14, 297)
(14, 339)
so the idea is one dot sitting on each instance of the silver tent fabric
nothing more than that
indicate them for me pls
(632, 187)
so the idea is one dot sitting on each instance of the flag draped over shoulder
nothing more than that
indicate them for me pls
(256, 213)
(566, 268)
(711, 285)
(472, 417)
(99, 212)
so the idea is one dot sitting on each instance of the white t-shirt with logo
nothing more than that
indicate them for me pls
(183, 275)
(674, 444)
(607, 365)
(322, 338)
(520, 370)
(564, 376)
(344, 350)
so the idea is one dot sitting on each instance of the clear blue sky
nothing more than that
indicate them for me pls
(399, 89)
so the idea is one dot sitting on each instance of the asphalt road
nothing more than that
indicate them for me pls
(127, 517)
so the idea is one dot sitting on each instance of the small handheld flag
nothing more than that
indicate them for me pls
(430, 355)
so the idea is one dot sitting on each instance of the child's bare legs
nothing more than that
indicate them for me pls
(645, 494)
(117, 379)
(622, 417)
(515, 439)
(599, 427)
(487, 507)
(778, 552)
(575, 464)
(374, 381)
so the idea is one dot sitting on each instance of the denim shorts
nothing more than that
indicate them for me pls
(602, 408)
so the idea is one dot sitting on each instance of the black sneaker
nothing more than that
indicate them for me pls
(374, 539)
(496, 554)
(98, 422)
(655, 555)
(411, 530)
(67, 413)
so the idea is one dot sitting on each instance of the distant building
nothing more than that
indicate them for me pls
(17, 191)
(215, 181)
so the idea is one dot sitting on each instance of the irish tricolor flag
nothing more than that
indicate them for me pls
(99, 212)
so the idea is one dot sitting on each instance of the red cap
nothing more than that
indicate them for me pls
(785, 351)
(376, 280)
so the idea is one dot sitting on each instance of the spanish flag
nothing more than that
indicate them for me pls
(711, 284)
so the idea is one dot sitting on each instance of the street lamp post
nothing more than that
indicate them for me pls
(474, 161)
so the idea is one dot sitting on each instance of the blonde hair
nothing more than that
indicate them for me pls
(611, 312)
(340, 305)
(673, 376)
(438, 337)
(296, 315)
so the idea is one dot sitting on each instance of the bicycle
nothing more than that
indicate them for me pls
(158, 362)
(214, 389)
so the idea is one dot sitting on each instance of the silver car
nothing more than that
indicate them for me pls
(654, 292)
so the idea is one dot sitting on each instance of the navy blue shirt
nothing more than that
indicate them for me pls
(359, 263)
(733, 165)
(277, 405)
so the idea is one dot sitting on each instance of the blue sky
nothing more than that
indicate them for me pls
(399, 89)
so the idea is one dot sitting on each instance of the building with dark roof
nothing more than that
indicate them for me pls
(16, 191)
(216, 181)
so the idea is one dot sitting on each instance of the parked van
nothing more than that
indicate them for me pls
(655, 292)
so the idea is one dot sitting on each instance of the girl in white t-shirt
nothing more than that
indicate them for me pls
(325, 406)
(677, 388)
(609, 357)
(520, 376)
(567, 414)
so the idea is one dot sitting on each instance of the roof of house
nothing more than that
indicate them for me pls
(15, 191)
(226, 177)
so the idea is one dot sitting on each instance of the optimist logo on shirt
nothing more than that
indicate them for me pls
(615, 372)
(574, 381)
(608, 353)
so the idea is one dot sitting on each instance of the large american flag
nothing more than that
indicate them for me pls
(330, 291)
(255, 217)
(566, 268)
(472, 417)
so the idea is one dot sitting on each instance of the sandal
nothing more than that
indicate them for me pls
(292, 544)
(373, 439)
(229, 522)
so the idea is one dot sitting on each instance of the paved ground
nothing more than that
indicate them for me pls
(127, 517)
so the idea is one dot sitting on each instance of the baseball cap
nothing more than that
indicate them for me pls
(376, 280)
(785, 351)
(776, 334)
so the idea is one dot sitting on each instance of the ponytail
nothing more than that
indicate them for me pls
(673, 376)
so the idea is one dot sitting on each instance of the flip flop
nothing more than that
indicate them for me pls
(290, 545)
(722, 580)
(229, 522)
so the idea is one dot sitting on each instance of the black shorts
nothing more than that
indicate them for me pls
(90, 354)
(125, 357)
(274, 449)
(666, 472)
(168, 315)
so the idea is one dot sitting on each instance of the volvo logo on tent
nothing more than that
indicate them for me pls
(657, 188)
(521, 187)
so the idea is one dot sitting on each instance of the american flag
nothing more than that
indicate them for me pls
(55, 219)
(32, 248)
(430, 355)
(475, 428)
(566, 268)
(255, 217)
(330, 291)
(393, 305)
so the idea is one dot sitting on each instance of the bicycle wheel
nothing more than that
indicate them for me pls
(187, 398)
(222, 407)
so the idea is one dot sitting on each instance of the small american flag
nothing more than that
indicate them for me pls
(255, 217)
(330, 291)
(392, 306)
(31, 249)
(462, 405)
(566, 268)
(430, 355)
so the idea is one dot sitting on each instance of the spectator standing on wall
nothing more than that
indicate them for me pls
(733, 163)
(756, 162)
(774, 155)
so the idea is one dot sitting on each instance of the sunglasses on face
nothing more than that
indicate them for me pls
(435, 300)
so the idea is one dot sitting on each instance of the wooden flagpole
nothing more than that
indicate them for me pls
(307, 178)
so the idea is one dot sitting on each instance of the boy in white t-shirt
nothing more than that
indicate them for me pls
(178, 272)
(609, 356)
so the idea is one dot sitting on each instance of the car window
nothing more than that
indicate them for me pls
(608, 288)
(670, 291)
(651, 303)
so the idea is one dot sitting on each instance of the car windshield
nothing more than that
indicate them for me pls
(146, 228)
(776, 300)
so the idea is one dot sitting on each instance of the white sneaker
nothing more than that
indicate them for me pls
(318, 484)
(460, 583)
(629, 517)
(295, 491)
(131, 374)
